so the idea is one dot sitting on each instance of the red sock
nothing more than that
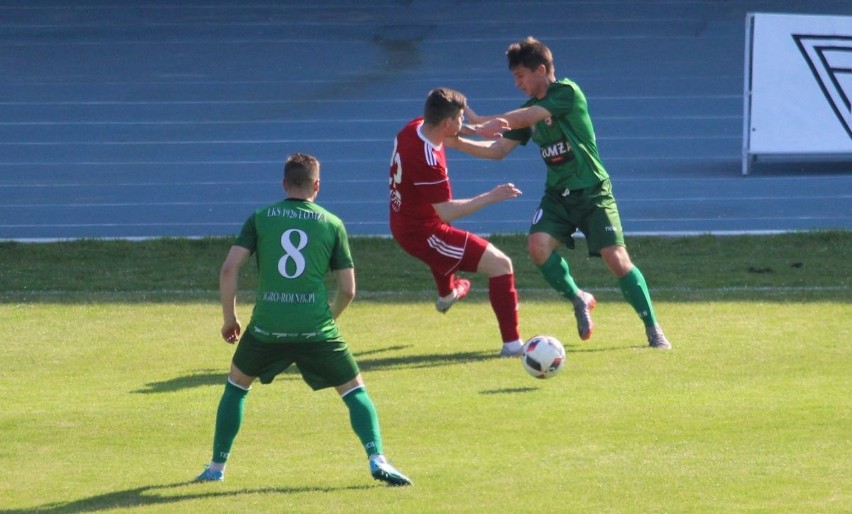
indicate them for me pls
(504, 302)
(444, 282)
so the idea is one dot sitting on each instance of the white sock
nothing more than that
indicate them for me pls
(513, 345)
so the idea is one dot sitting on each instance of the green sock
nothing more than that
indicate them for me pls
(558, 275)
(229, 418)
(364, 420)
(636, 293)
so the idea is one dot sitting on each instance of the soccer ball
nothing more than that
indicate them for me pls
(543, 356)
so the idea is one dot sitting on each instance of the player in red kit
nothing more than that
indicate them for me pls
(422, 207)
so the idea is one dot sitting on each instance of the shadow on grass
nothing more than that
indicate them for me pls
(430, 360)
(595, 349)
(510, 390)
(151, 496)
(207, 377)
(210, 377)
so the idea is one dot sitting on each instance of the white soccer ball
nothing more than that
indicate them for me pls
(543, 357)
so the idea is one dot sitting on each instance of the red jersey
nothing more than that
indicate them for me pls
(418, 179)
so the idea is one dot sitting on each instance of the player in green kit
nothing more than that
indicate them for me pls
(578, 193)
(296, 243)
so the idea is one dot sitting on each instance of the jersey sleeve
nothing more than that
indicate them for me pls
(559, 100)
(341, 256)
(521, 135)
(248, 235)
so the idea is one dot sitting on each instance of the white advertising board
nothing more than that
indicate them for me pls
(798, 86)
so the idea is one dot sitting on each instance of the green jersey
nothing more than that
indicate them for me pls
(296, 243)
(566, 139)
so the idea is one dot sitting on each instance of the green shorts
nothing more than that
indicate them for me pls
(322, 363)
(592, 211)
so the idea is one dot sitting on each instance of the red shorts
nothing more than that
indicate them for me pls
(444, 248)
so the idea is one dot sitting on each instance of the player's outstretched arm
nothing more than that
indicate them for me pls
(479, 119)
(492, 127)
(459, 208)
(493, 149)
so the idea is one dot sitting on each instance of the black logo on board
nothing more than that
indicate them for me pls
(830, 60)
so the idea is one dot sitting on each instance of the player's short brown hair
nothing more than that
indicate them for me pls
(443, 103)
(301, 170)
(530, 53)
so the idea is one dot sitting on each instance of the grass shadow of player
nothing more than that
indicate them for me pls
(200, 378)
(367, 361)
(427, 360)
(511, 390)
(153, 495)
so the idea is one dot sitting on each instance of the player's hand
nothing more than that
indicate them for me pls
(492, 129)
(506, 192)
(231, 331)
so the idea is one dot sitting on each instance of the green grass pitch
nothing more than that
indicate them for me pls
(110, 389)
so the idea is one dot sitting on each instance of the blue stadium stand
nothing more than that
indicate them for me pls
(130, 119)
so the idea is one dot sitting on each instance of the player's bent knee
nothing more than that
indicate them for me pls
(539, 246)
(495, 263)
(504, 264)
(617, 259)
(539, 254)
(352, 385)
(240, 379)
